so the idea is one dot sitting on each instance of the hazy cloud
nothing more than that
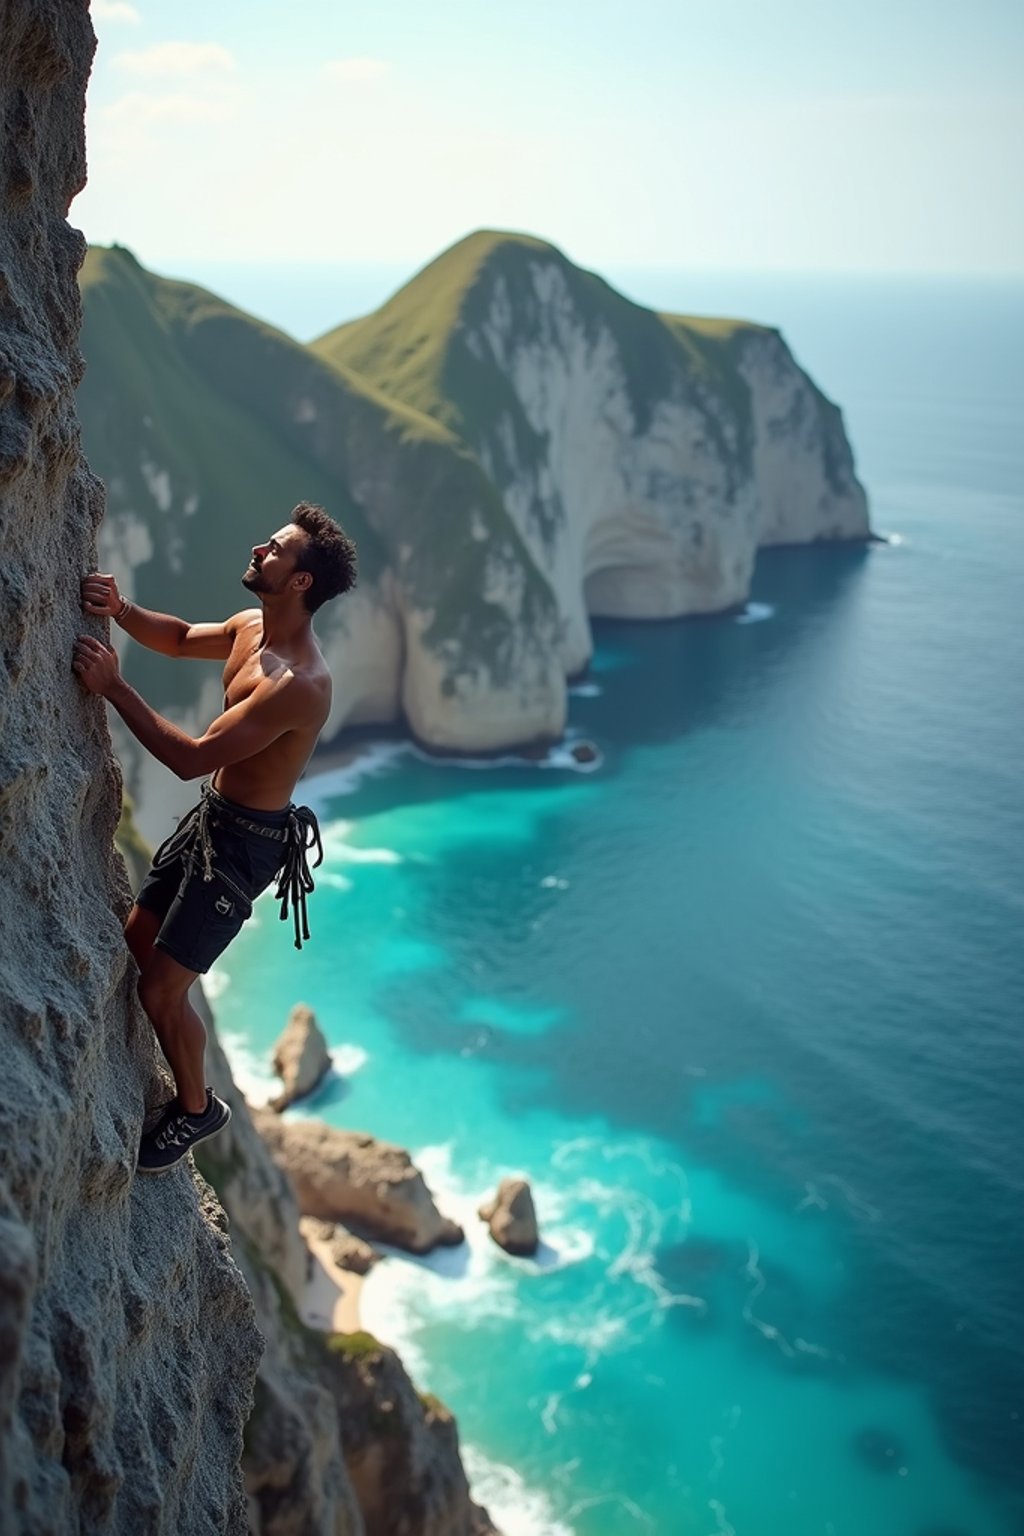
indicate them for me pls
(356, 68)
(136, 110)
(114, 10)
(177, 59)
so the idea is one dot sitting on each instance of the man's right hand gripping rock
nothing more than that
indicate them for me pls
(100, 596)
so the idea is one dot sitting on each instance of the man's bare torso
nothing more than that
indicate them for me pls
(267, 780)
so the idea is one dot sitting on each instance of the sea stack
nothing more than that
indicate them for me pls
(301, 1058)
(511, 1218)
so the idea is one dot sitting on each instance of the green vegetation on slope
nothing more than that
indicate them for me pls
(229, 422)
(156, 430)
(414, 347)
(131, 844)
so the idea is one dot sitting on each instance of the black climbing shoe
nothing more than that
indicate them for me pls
(177, 1133)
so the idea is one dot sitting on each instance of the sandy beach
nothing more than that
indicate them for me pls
(331, 1299)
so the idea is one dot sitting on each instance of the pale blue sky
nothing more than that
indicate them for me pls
(799, 135)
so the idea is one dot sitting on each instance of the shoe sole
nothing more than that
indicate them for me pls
(203, 1136)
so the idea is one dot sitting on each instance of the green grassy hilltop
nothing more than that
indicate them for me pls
(414, 347)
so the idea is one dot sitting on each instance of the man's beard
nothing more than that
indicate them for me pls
(252, 578)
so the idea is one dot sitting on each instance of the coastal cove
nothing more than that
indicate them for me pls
(741, 1002)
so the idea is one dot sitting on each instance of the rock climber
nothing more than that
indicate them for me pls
(244, 831)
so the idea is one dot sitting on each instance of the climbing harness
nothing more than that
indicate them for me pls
(192, 841)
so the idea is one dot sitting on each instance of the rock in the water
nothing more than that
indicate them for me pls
(584, 752)
(511, 1218)
(346, 1250)
(351, 1177)
(301, 1058)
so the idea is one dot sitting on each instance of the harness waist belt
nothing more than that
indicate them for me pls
(299, 832)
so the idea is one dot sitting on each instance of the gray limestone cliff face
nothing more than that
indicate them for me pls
(128, 1346)
(340, 1443)
(642, 478)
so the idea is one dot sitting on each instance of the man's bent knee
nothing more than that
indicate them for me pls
(163, 984)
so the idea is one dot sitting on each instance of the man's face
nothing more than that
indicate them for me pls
(273, 563)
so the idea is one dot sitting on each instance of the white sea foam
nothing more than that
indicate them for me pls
(722, 1526)
(516, 1509)
(594, 1336)
(555, 883)
(378, 757)
(251, 1073)
(639, 1520)
(855, 1204)
(755, 613)
(215, 983)
(558, 756)
(813, 1200)
(353, 855)
(767, 1330)
(367, 763)
(332, 878)
(336, 837)
(474, 1280)
(347, 1059)
(562, 1246)
(586, 691)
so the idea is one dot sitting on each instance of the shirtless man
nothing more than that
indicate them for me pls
(244, 830)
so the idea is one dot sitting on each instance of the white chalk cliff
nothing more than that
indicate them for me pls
(644, 458)
(515, 447)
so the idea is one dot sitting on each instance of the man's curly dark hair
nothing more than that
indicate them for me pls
(329, 555)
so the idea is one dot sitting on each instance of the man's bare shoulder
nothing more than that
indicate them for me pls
(239, 620)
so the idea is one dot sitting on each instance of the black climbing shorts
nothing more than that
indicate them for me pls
(200, 916)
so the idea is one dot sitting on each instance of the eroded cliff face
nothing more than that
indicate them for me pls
(340, 1443)
(128, 1346)
(642, 483)
(515, 447)
(207, 427)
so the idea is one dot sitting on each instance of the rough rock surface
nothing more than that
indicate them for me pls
(325, 1407)
(346, 1250)
(511, 1218)
(128, 1345)
(301, 1059)
(352, 1177)
(401, 1447)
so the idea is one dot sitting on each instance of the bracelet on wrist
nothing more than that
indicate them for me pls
(122, 611)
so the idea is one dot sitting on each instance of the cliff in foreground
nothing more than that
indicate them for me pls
(129, 1348)
(128, 1344)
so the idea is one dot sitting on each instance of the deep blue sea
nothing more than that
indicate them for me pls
(745, 1003)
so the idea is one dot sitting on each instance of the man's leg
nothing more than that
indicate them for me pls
(140, 930)
(163, 993)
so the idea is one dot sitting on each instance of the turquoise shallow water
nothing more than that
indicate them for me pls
(744, 1003)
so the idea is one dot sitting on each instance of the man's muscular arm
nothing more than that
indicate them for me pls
(276, 706)
(159, 631)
